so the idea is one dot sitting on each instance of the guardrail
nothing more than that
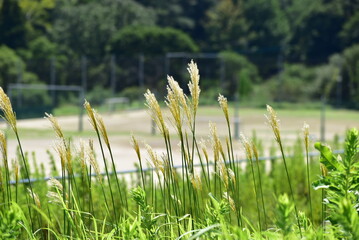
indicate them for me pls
(311, 154)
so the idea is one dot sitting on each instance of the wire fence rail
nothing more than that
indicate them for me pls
(263, 158)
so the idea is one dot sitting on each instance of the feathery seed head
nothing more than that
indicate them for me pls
(204, 150)
(90, 158)
(155, 111)
(167, 167)
(91, 144)
(179, 96)
(176, 200)
(324, 170)
(136, 146)
(82, 154)
(216, 143)
(232, 176)
(230, 200)
(174, 107)
(215, 140)
(194, 85)
(155, 160)
(247, 146)
(55, 125)
(9, 114)
(91, 114)
(223, 173)
(54, 197)
(56, 184)
(61, 150)
(3, 146)
(69, 159)
(224, 105)
(196, 181)
(273, 122)
(16, 170)
(1, 182)
(177, 90)
(255, 151)
(102, 128)
(306, 135)
(35, 197)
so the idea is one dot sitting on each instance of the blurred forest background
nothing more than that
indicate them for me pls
(288, 51)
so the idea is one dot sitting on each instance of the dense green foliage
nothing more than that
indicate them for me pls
(272, 35)
(151, 41)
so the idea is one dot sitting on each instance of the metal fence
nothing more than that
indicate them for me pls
(238, 161)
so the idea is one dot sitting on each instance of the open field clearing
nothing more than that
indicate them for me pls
(37, 135)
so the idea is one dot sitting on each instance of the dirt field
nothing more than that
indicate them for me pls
(37, 136)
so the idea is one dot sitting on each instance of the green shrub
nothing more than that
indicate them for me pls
(151, 40)
(98, 95)
(241, 74)
(10, 66)
(132, 93)
(294, 84)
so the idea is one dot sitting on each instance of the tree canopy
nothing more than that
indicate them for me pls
(272, 36)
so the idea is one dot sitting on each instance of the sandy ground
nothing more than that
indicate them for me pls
(121, 125)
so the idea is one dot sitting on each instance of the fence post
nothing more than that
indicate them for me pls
(83, 91)
(167, 65)
(236, 116)
(141, 62)
(53, 78)
(84, 74)
(19, 80)
(81, 100)
(322, 120)
(113, 74)
(223, 74)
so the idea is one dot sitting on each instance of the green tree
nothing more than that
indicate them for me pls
(37, 16)
(350, 32)
(188, 16)
(87, 28)
(10, 66)
(351, 58)
(151, 41)
(294, 84)
(226, 26)
(315, 28)
(12, 24)
(241, 74)
(268, 27)
(258, 27)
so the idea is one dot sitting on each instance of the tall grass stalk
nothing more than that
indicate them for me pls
(3, 150)
(16, 170)
(255, 153)
(306, 144)
(191, 112)
(10, 117)
(103, 131)
(274, 123)
(249, 154)
(90, 157)
(235, 189)
(136, 147)
(324, 172)
(94, 122)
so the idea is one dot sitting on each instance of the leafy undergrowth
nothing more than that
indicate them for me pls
(219, 199)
